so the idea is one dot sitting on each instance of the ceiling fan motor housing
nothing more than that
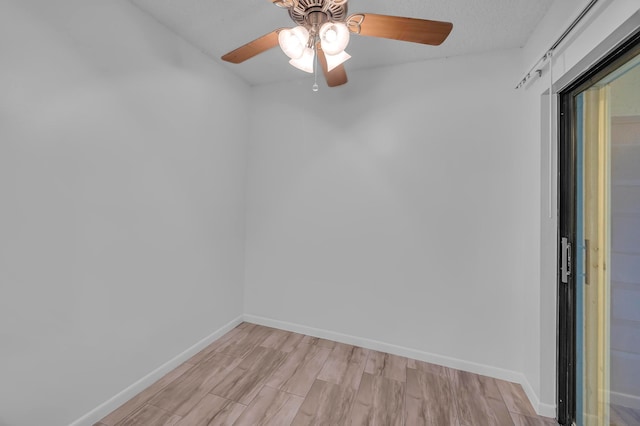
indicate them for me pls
(306, 12)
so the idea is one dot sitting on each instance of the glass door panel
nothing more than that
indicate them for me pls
(608, 249)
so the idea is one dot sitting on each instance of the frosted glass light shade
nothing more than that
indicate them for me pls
(305, 62)
(293, 41)
(334, 37)
(335, 60)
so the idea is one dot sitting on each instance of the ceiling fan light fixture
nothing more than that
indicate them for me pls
(334, 37)
(293, 42)
(335, 60)
(323, 31)
(305, 62)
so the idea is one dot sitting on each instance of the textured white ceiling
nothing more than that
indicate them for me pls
(219, 26)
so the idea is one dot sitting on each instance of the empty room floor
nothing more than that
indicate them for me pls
(257, 375)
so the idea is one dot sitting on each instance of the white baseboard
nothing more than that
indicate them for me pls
(126, 394)
(459, 364)
(625, 400)
(546, 410)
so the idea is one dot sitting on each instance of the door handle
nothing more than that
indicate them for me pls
(587, 259)
(565, 262)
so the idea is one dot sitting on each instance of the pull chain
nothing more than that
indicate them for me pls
(315, 70)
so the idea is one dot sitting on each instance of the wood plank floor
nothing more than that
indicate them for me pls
(257, 375)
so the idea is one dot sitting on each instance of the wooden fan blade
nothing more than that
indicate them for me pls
(253, 48)
(335, 77)
(398, 28)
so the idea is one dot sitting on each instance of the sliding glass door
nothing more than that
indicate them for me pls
(599, 288)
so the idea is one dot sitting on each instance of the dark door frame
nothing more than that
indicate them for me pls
(566, 353)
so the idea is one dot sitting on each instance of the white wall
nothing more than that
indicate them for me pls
(122, 163)
(367, 215)
(386, 209)
(539, 234)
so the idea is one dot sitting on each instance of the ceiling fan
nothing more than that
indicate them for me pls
(323, 33)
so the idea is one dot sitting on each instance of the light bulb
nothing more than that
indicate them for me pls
(334, 37)
(331, 35)
(293, 41)
(305, 62)
(335, 60)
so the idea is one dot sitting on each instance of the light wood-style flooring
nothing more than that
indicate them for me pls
(257, 375)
